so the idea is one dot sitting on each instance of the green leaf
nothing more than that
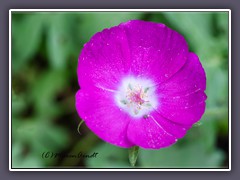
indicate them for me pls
(26, 38)
(44, 91)
(60, 38)
(217, 86)
(196, 28)
(196, 150)
(40, 135)
(97, 21)
(19, 160)
(109, 156)
(188, 156)
(222, 20)
(84, 145)
(205, 134)
(18, 105)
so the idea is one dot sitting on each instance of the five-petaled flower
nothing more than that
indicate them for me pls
(140, 85)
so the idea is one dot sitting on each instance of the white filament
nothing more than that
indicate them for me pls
(136, 96)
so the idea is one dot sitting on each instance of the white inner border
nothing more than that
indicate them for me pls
(118, 10)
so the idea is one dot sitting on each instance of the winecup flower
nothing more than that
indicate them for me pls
(140, 85)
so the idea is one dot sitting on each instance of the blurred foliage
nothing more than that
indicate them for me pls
(45, 50)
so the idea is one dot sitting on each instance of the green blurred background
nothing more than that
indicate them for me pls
(45, 50)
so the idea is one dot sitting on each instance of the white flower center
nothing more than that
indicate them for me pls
(136, 96)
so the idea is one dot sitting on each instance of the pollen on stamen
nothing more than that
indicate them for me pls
(136, 96)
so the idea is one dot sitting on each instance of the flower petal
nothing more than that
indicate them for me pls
(142, 50)
(148, 133)
(182, 97)
(104, 59)
(135, 48)
(176, 129)
(100, 113)
(157, 51)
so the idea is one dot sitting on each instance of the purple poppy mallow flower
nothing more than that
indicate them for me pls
(140, 85)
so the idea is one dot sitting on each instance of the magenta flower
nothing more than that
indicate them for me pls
(140, 85)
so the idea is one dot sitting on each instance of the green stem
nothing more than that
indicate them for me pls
(133, 154)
